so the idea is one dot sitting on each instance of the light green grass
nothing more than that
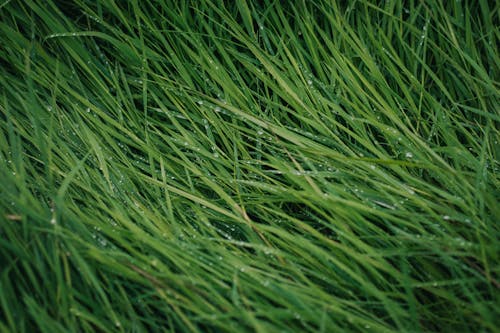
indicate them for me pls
(209, 166)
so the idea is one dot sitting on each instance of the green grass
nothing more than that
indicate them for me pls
(210, 166)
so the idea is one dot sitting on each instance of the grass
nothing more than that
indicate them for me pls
(210, 166)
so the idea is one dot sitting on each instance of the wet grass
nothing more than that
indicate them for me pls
(209, 166)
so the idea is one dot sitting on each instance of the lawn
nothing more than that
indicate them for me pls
(249, 166)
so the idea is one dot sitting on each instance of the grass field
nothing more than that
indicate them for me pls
(249, 166)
